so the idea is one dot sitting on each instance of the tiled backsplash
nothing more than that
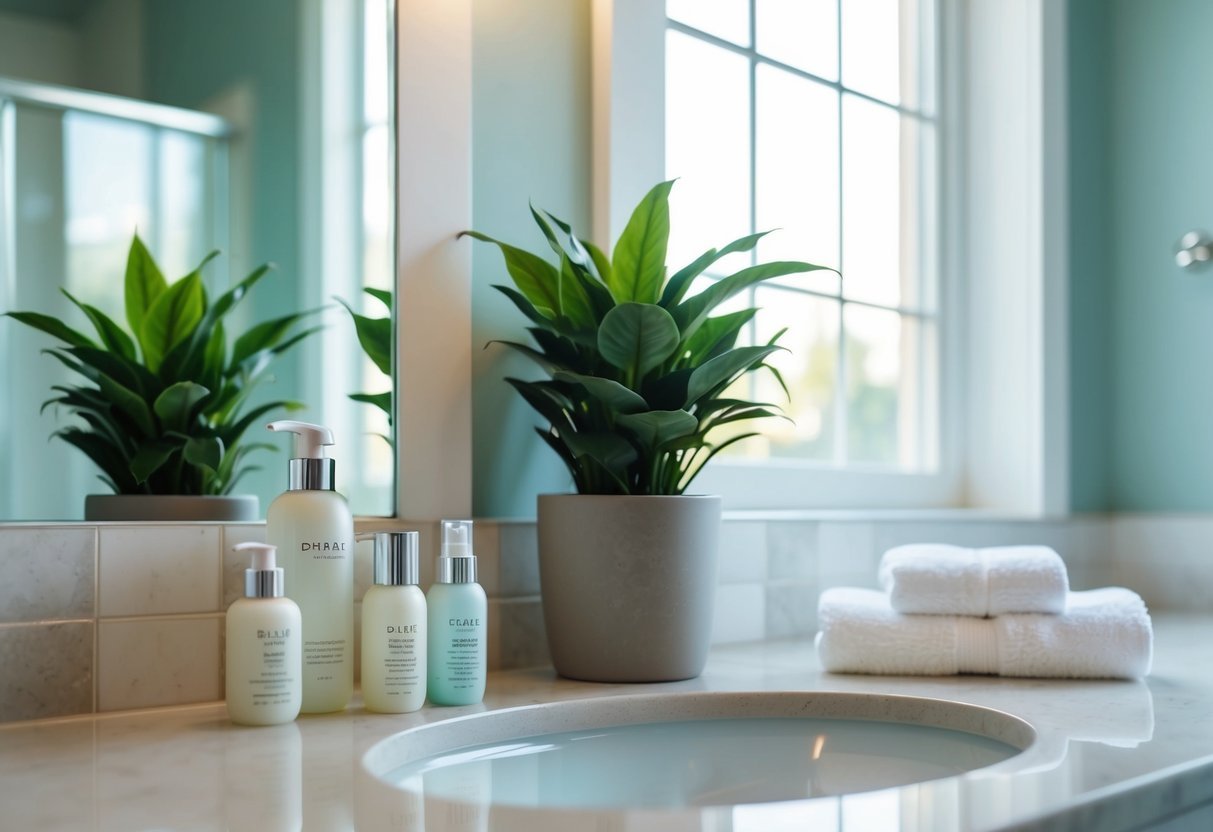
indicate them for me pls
(110, 617)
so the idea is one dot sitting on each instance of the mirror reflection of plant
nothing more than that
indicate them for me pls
(375, 337)
(163, 406)
(640, 369)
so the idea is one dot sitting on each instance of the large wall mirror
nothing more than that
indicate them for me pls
(264, 129)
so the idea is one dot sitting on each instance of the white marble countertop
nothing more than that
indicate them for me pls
(1109, 755)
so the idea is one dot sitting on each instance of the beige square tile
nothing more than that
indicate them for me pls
(46, 670)
(791, 609)
(234, 564)
(166, 661)
(486, 543)
(156, 570)
(47, 573)
(740, 613)
(792, 549)
(519, 559)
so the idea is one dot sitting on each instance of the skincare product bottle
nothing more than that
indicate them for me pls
(458, 613)
(311, 525)
(393, 627)
(263, 646)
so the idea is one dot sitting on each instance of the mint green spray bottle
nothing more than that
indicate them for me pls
(458, 622)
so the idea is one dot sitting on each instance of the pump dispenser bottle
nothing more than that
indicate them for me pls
(312, 527)
(263, 646)
(393, 627)
(458, 614)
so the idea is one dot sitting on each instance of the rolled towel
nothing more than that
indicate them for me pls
(1103, 634)
(938, 579)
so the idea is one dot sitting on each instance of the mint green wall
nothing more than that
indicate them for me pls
(195, 51)
(1143, 328)
(1091, 281)
(530, 141)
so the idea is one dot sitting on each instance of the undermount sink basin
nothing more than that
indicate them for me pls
(683, 751)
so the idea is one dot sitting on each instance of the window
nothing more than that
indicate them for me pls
(818, 118)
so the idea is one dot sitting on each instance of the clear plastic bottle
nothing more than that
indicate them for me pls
(394, 627)
(458, 614)
(312, 527)
(263, 677)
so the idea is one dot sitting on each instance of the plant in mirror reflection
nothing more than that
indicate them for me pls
(375, 337)
(165, 405)
(641, 373)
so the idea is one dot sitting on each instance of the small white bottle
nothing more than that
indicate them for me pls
(458, 613)
(264, 640)
(394, 627)
(312, 527)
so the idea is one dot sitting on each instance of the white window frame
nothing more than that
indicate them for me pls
(1009, 327)
(1002, 412)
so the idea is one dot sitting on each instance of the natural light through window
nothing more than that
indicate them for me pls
(818, 118)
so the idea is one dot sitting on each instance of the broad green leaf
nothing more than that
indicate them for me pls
(667, 391)
(611, 393)
(53, 327)
(602, 263)
(691, 313)
(574, 299)
(636, 337)
(175, 405)
(173, 317)
(677, 286)
(149, 458)
(214, 357)
(268, 334)
(548, 402)
(95, 362)
(143, 285)
(536, 278)
(539, 315)
(638, 262)
(384, 296)
(109, 459)
(129, 402)
(723, 370)
(659, 426)
(374, 334)
(530, 352)
(610, 450)
(716, 335)
(383, 401)
(112, 336)
(203, 451)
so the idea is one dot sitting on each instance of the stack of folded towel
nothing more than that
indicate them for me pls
(1004, 611)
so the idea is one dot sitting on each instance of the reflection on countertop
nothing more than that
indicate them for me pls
(1103, 749)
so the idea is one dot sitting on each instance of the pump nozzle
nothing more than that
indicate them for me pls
(309, 439)
(456, 538)
(309, 469)
(263, 578)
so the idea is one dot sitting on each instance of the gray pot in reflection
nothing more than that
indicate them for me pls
(628, 584)
(170, 507)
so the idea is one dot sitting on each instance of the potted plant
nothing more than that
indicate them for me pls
(639, 388)
(164, 407)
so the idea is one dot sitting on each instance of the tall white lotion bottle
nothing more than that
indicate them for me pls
(394, 627)
(263, 646)
(312, 527)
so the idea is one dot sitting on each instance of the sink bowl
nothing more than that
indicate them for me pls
(686, 751)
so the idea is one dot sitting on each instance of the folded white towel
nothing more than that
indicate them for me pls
(1103, 633)
(938, 579)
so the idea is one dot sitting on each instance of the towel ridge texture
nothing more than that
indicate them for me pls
(1102, 634)
(938, 579)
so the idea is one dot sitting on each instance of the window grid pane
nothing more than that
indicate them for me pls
(878, 405)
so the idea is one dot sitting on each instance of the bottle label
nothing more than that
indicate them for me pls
(463, 664)
(273, 685)
(324, 658)
(400, 671)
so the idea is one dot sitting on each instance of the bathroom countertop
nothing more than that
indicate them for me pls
(1109, 755)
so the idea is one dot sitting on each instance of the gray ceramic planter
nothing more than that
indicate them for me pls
(170, 507)
(628, 584)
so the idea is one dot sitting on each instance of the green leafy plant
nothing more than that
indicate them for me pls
(163, 406)
(639, 369)
(375, 337)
